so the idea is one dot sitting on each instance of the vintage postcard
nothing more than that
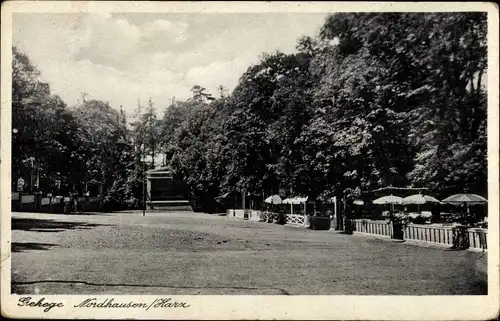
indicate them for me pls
(249, 160)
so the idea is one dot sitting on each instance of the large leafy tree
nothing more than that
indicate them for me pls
(173, 116)
(195, 146)
(269, 108)
(394, 93)
(449, 127)
(375, 99)
(45, 143)
(106, 146)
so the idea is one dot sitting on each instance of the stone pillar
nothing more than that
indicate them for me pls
(333, 217)
(335, 209)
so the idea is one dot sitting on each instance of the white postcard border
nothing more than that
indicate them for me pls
(258, 307)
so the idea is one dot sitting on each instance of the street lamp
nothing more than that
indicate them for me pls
(15, 131)
(144, 180)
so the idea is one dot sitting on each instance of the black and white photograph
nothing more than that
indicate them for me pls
(173, 155)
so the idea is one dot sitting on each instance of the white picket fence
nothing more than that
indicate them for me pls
(432, 234)
(381, 228)
(423, 233)
(478, 238)
(253, 215)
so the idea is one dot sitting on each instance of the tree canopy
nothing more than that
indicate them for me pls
(373, 100)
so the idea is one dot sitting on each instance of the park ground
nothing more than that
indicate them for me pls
(194, 253)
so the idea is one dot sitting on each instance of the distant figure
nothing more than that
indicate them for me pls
(75, 202)
(67, 203)
(63, 206)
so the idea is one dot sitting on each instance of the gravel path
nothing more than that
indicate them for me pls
(193, 253)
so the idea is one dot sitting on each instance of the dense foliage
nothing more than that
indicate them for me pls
(375, 99)
(88, 143)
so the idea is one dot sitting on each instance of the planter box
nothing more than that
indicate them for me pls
(88, 206)
(255, 215)
(239, 213)
(319, 223)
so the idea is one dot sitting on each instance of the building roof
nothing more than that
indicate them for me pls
(159, 170)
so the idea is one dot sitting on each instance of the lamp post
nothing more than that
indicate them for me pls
(144, 181)
(32, 163)
(15, 131)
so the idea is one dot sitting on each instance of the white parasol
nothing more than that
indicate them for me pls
(358, 202)
(459, 199)
(420, 199)
(274, 199)
(390, 199)
(465, 199)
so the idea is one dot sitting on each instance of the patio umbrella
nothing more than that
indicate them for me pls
(469, 199)
(358, 202)
(390, 199)
(420, 199)
(295, 200)
(465, 199)
(274, 199)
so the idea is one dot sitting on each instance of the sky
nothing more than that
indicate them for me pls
(123, 58)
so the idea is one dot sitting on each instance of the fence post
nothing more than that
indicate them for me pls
(397, 230)
(348, 228)
(460, 237)
(483, 240)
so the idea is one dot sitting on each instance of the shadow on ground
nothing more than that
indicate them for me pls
(37, 225)
(22, 247)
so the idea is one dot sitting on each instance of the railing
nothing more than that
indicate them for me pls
(478, 238)
(296, 220)
(432, 234)
(475, 238)
(55, 204)
(381, 228)
(269, 217)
